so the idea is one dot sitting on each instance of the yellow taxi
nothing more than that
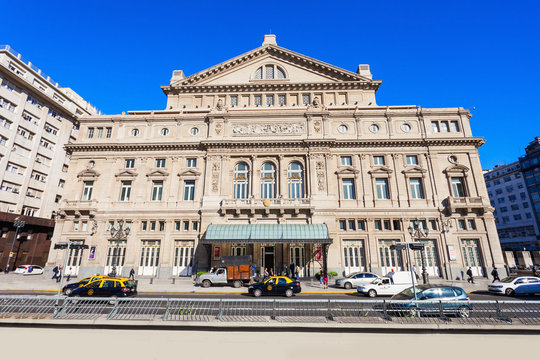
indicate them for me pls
(106, 286)
(276, 285)
(70, 287)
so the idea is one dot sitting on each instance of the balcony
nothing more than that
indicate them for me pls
(279, 205)
(466, 205)
(79, 207)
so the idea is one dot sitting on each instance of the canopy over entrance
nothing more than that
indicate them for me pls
(267, 233)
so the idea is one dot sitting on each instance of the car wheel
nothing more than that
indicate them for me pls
(371, 293)
(237, 284)
(413, 312)
(257, 292)
(509, 292)
(288, 293)
(68, 292)
(464, 312)
(206, 283)
(113, 300)
(348, 285)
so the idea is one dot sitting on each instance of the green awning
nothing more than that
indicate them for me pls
(267, 233)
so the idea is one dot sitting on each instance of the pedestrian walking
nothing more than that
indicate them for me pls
(470, 278)
(132, 273)
(266, 274)
(55, 272)
(271, 271)
(59, 274)
(297, 273)
(415, 273)
(291, 268)
(68, 273)
(325, 280)
(495, 275)
(321, 279)
(6, 271)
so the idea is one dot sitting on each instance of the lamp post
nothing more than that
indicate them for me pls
(119, 234)
(418, 233)
(18, 223)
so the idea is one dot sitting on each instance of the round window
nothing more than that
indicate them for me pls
(342, 128)
(452, 158)
(135, 132)
(92, 163)
(164, 132)
(406, 127)
(194, 131)
(374, 128)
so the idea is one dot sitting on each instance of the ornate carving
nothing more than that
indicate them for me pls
(220, 106)
(219, 127)
(321, 175)
(317, 126)
(268, 129)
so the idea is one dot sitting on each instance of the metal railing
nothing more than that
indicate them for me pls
(270, 309)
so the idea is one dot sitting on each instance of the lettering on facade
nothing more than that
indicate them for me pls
(268, 129)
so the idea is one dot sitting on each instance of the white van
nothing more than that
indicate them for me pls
(391, 284)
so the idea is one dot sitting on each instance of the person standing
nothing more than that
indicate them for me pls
(68, 273)
(415, 273)
(291, 268)
(495, 275)
(132, 273)
(470, 278)
(59, 274)
(266, 275)
(55, 272)
(325, 280)
(297, 273)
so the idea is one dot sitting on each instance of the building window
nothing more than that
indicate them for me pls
(108, 133)
(378, 224)
(157, 190)
(373, 128)
(84, 225)
(268, 181)
(348, 189)
(99, 132)
(164, 132)
(471, 224)
(346, 161)
(241, 181)
(282, 100)
(269, 100)
(517, 217)
(144, 225)
(152, 226)
(458, 186)
(454, 127)
(160, 163)
(295, 180)
(270, 72)
(361, 225)
(125, 191)
(306, 99)
(130, 163)
(177, 226)
(444, 126)
(162, 226)
(191, 162)
(195, 225)
(90, 133)
(342, 225)
(75, 226)
(135, 132)
(257, 100)
(416, 188)
(87, 190)
(412, 160)
(382, 189)
(189, 190)
(351, 225)
(194, 131)
(186, 225)
(500, 200)
(378, 160)
(234, 100)
(342, 128)
(435, 126)
(461, 225)
(406, 128)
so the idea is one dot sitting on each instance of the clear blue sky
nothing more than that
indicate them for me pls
(483, 54)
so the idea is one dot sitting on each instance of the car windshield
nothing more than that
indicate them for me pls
(130, 283)
(21, 267)
(376, 281)
(409, 293)
(508, 279)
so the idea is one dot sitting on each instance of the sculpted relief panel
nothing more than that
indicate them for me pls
(268, 129)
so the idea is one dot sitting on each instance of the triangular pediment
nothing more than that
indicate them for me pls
(380, 170)
(414, 169)
(88, 173)
(456, 168)
(189, 173)
(298, 68)
(157, 173)
(347, 170)
(126, 173)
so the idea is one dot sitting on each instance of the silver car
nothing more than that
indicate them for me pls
(355, 279)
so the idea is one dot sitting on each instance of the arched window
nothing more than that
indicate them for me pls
(269, 72)
(268, 181)
(295, 180)
(241, 181)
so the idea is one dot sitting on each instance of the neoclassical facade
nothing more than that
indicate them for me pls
(282, 157)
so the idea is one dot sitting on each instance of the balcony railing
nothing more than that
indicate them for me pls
(279, 204)
(468, 203)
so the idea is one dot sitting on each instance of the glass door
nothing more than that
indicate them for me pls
(183, 258)
(298, 258)
(471, 256)
(391, 259)
(149, 261)
(353, 256)
(431, 259)
(116, 254)
(74, 259)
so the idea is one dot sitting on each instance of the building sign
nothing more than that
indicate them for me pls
(452, 253)
(92, 254)
(318, 253)
(217, 252)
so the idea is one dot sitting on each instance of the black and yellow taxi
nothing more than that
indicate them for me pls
(276, 285)
(106, 287)
(70, 287)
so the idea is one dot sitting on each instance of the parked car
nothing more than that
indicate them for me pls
(391, 284)
(356, 279)
(70, 287)
(516, 285)
(276, 285)
(107, 287)
(29, 270)
(429, 298)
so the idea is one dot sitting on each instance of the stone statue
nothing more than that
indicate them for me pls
(220, 106)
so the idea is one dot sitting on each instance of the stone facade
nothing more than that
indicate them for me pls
(275, 137)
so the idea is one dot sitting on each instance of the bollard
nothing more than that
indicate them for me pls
(173, 281)
(151, 280)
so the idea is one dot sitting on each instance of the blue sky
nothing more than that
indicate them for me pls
(482, 54)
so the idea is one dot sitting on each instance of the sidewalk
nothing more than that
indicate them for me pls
(18, 282)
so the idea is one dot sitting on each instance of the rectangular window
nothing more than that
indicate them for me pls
(125, 191)
(177, 225)
(108, 133)
(514, 207)
(90, 132)
(378, 160)
(361, 225)
(348, 189)
(512, 198)
(396, 224)
(162, 226)
(153, 225)
(461, 225)
(157, 190)
(346, 161)
(130, 163)
(99, 132)
(195, 225)
(189, 190)
(269, 100)
(191, 162)
(144, 225)
(458, 187)
(351, 225)
(234, 100)
(433, 225)
(342, 225)
(160, 163)
(435, 126)
(378, 225)
(471, 224)
(416, 188)
(84, 225)
(257, 100)
(504, 209)
(186, 225)
(412, 160)
(382, 189)
(454, 127)
(75, 226)
(386, 224)
(525, 205)
(500, 200)
(444, 126)
(517, 217)
(87, 191)
(306, 99)
(282, 100)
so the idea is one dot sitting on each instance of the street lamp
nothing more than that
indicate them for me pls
(418, 233)
(18, 223)
(119, 234)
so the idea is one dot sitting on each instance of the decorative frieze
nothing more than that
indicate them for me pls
(268, 129)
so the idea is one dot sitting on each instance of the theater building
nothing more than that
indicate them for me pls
(283, 157)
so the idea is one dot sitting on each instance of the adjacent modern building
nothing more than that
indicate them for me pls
(37, 119)
(282, 157)
(530, 166)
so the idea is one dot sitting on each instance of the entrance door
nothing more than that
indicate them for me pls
(471, 256)
(183, 258)
(267, 257)
(149, 258)
(74, 259)
(116, 254)
(430, 258)
(298, 258)
(391, 259)
(353, 256)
